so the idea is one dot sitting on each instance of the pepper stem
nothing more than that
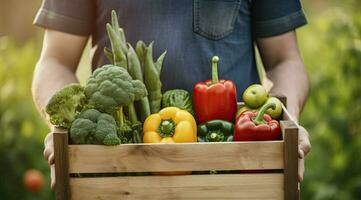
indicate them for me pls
(166, 128)
(259, 118)
(215, 136)
(215, 60)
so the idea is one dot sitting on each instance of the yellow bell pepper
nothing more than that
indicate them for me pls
(170, 125)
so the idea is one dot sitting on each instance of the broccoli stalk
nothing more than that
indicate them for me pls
(120, 116)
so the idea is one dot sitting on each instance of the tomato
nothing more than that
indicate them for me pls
(33, 180)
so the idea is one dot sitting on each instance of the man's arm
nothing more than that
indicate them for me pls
(56, 68)
(284, 67)
(57, 65)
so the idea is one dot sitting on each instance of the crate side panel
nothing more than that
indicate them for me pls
(176, 157)
(235, 186)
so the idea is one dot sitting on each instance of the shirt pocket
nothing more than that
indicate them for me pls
(214, 19)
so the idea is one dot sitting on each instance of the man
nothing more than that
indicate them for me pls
(192, 31)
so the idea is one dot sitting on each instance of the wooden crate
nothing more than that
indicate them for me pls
(277, 160)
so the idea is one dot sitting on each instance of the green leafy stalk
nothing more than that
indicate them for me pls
(132, 113)
(118, 55)
(158, 64)
(117, 40)
(152, 81)
(134, 68)
(118, 31)
(122, 39)
(141, 49)
(119, 58)
(126, 51)
(135, 71)
(109, 54)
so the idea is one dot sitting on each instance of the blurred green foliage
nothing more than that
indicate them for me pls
(21, 129)
(331, 48)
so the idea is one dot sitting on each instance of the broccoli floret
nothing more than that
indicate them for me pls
(106, 131)
(90, 114)
(94, 127)
(81, 131)
(65, 104)
(111, 87)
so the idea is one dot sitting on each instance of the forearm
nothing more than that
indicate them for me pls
(290, 80)
(50, 75)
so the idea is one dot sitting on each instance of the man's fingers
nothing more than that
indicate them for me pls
(304, 142)
(51, 159)
(301, 154)
(305, 146)
(301, 169)
(46, 153)
(52, 176)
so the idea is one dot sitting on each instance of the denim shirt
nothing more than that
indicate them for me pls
(191, 31)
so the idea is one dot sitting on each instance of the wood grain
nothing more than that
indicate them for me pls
(237, 186)
(290, 135)
(176, 157)
(60, 139)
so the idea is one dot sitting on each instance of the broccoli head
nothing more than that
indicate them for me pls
(65, 104)
(94, 127)
(110, 87)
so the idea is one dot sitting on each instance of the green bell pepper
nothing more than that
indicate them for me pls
(215, 131)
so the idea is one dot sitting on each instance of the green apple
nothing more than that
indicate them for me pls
(255, 96)
(275, 113)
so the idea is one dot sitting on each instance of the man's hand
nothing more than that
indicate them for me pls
(304, 147)
(49, 156)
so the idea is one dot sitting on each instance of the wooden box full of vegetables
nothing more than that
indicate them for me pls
(120, 137)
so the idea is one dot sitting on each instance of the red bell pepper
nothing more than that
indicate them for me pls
(257, 126)
(215, 99)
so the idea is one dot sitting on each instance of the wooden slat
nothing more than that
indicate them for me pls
(235, 186)
(176, 157)
(290, 135)
(60, 139)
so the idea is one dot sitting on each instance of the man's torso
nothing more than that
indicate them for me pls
(191, 31)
